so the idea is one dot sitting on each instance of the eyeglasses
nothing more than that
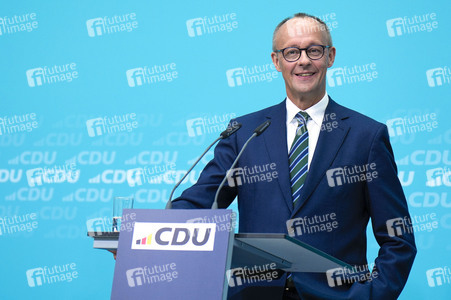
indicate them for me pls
(292, 54)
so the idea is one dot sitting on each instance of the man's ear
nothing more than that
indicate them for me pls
(332, 51)
(276, 61)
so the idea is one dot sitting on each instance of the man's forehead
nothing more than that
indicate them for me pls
(301, 26)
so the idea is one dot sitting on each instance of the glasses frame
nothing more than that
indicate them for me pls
(300, 52)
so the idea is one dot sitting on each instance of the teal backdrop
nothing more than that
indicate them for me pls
(117, 98)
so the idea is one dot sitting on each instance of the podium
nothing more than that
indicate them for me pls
(220, 270)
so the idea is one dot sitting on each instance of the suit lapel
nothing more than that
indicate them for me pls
(276, 145)
(329, 142)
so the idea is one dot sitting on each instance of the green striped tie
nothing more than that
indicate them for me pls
(298, 156)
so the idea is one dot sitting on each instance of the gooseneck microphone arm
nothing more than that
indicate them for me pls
(259, 130)
(225, 134)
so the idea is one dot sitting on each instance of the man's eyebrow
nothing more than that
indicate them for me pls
(297, 46)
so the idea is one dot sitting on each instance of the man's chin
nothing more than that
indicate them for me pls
(307, 94)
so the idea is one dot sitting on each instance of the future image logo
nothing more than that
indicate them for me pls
(135, 277)
(49, 75)
(151, 275)
(249, 175)
(210, 25)
(438, 176)
(438, 76)
(135, 77)
(251, 74)
(223, 223)
(95, 127)
(110, 125)
(18, 23)
(110, 25)
(252, 274)
(35, 77)
(345, 275)
(235, 77)
(399, 226)
(35, 277)
(351, 174)
(56, 174)
(208, 125)
(18, 123)
(350, 75)
(18, 223)
(438, 276)
(408, 125)
(99, 225)
(50, 275)
(410, 25)
(151, 75)
(312, 224)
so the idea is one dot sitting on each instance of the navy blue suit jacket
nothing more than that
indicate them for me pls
(265, 206)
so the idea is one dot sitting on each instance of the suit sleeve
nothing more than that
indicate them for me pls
(202, 194)
(387, 205)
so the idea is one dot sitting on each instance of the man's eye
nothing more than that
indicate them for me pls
(292, 52)
(314, 51)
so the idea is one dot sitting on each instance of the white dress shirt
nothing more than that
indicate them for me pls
(316, 113)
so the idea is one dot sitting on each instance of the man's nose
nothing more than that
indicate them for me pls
(304, 59)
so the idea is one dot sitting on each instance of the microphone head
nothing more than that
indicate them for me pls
(230, 130)
(259, 130)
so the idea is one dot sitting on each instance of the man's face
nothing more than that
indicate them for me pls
(305, 78)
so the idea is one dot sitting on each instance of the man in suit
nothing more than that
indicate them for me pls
(318, 173)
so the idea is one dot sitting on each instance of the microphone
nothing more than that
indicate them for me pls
(259, 130)
(225, 134)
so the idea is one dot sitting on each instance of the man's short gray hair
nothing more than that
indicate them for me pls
(302, 16)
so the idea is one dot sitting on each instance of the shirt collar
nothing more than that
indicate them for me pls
(316, 112)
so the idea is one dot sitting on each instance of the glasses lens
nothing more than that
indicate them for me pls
(291, 54)
(315, 52)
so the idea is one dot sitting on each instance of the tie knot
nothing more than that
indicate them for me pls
(302, 117)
